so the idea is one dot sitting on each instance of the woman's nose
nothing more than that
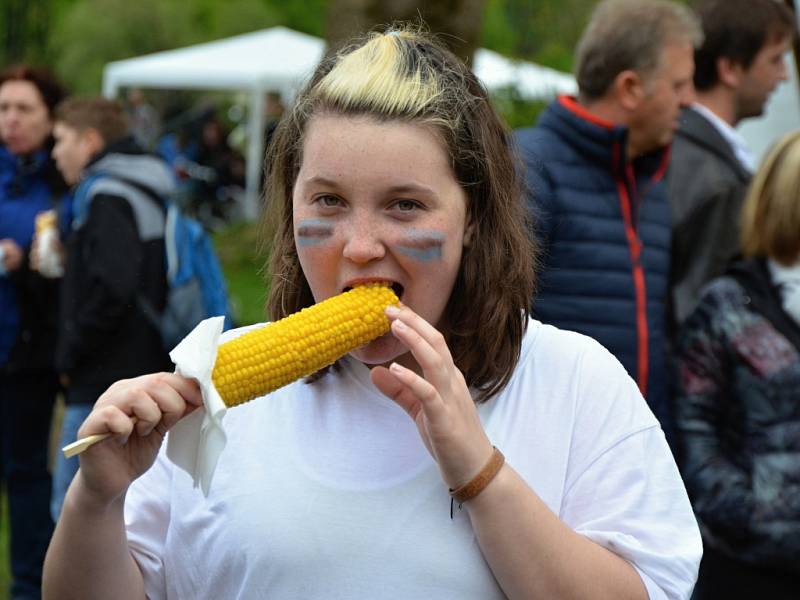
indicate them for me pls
(363, 241)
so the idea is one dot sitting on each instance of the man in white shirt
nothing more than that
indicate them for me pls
(738, 66)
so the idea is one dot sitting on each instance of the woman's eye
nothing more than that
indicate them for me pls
(407, 205)
(328, 201)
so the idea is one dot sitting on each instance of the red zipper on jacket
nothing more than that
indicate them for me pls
(635, 249)
(634, 243)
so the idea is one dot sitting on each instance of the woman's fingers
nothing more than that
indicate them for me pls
(427, 345)
(426, 331)
(186, 388)
(108, 419)
(392, 387)
(439, 399)
(420, 388)
(154, 401)
(146, 411)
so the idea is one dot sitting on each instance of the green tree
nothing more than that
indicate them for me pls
(25, 26)
(307, 16)
(458, 22)
(92, 33)
(544, 31)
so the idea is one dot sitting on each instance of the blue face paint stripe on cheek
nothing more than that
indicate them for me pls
(424, 246)
(313, 231)
(422, 255)
(302, 242)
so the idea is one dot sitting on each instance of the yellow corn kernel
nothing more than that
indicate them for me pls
(261, 361)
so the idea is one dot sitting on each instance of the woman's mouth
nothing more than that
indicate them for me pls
(397, 288)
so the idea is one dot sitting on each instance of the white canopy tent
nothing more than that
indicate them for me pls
(281, 59)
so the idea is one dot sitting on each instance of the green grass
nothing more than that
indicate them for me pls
(238, 250)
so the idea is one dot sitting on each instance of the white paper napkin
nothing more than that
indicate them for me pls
(195, 443)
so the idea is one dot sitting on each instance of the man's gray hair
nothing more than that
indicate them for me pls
(629, 35)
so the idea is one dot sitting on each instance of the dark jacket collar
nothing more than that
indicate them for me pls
(19, 173)
(126, 145)
(701, 132)
(765, 297)
(601, 141)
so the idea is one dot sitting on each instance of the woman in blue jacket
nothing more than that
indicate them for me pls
(29, 185)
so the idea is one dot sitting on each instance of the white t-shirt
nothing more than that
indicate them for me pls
(325, 490)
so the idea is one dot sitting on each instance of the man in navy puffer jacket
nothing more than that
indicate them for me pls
(594, 168)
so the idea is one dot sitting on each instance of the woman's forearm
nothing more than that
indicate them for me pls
(88, 556)
(533, 554)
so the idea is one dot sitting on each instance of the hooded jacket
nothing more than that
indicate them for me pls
(115, 252)
(604, 229)
(737, 417)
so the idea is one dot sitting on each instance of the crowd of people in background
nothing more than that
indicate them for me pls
(736, 396)
(209, 170)
(628, 257)
(70, 317)
(657, 234)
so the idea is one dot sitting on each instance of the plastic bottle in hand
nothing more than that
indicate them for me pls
(48, 246)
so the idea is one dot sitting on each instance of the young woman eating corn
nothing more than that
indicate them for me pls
(393, 168)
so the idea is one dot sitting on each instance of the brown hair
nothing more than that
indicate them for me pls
(737, 29)
(104, 116)
(49, 87)
(405, 75)
(627, 35)
(771, 212)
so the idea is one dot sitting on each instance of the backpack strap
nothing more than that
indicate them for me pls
(82, 201)
(171, 214)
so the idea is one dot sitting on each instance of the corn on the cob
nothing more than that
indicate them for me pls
(261, 361)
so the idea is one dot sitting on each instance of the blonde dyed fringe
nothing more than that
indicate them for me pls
(376, 77)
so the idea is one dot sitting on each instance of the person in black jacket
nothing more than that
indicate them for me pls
(29, 185)
(739, 65)
(115, 257)
(738, 403)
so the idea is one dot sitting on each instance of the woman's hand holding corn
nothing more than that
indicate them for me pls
(438, 399)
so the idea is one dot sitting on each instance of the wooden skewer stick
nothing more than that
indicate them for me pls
(82, 444)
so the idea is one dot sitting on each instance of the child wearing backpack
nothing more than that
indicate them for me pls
(118, 288)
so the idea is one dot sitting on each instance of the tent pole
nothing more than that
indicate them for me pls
(110, 86)
(255, 153)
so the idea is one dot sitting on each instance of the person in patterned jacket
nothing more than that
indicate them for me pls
(737, 410)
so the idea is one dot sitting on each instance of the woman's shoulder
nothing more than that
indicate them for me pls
(549, 345)
(580, 388)
(570, 365)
